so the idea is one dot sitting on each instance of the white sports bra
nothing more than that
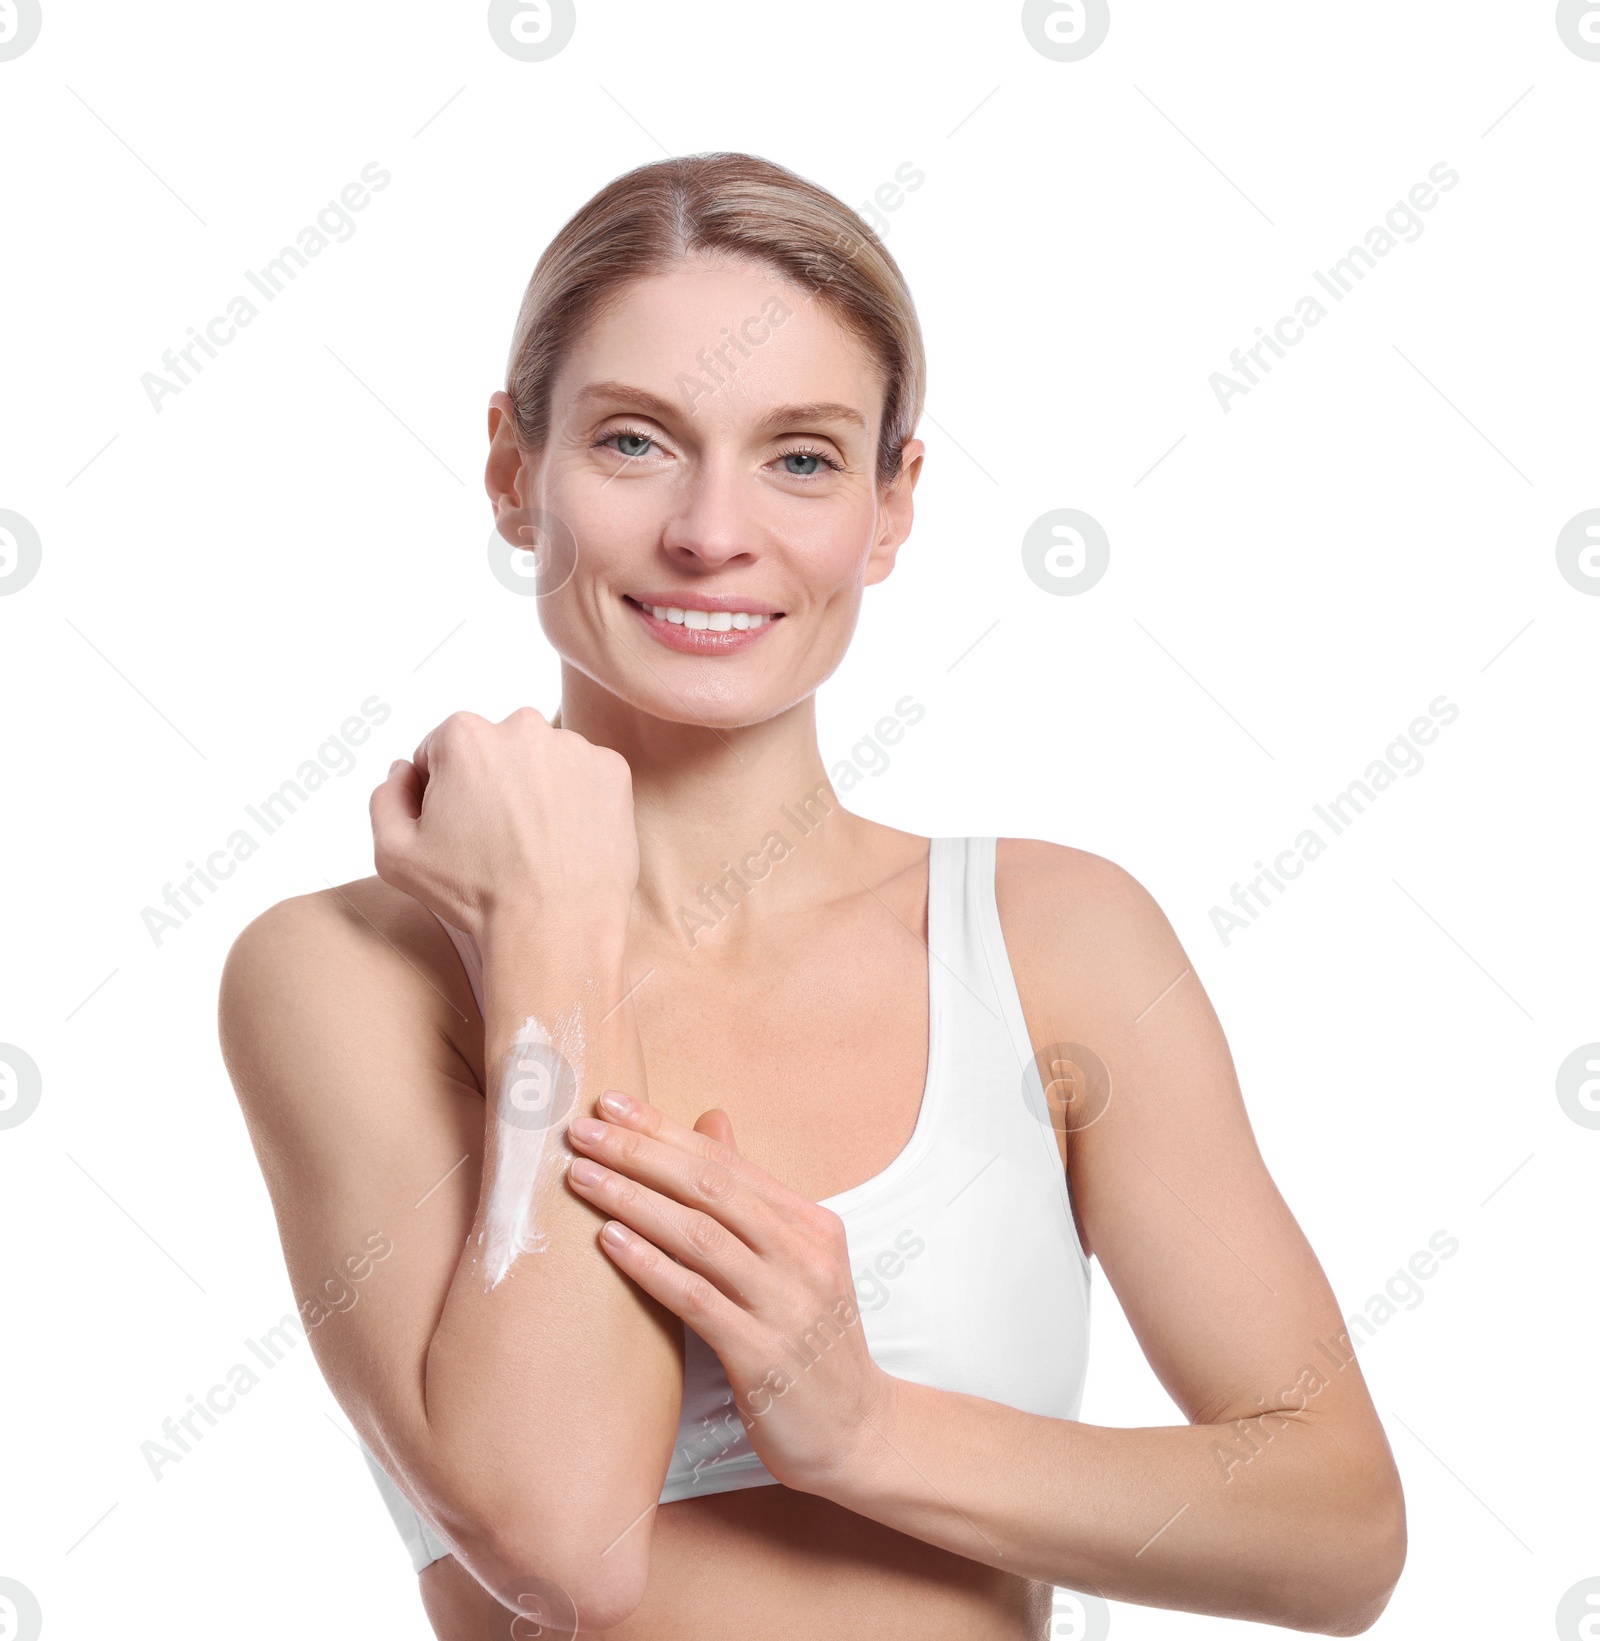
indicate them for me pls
(969, 1272)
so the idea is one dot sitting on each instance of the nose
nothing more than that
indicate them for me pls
(713, 524)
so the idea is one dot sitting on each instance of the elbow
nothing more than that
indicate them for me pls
(1372, 1587)
(566, 1580)
(572, 1557)
(1373, 1555)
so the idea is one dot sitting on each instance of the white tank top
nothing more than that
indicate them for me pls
(969, 1272)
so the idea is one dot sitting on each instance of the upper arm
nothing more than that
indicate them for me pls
(1218, 1282)
(359, 1104)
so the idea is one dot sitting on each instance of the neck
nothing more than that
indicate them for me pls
(740, 817)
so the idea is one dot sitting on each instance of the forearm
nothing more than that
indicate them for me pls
(551, 1384)
(1275, 1519)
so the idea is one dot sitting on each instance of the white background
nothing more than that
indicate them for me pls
(1290, 584)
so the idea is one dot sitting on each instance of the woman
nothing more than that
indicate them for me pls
(791, 1341)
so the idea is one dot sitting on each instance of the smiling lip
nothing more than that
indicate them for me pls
(703, 640)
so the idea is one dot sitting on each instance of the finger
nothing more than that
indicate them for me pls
(698, 1241)
(429, 748)
(529, 711)
(711, 1138)
(722, 1324)
(697, 1186)
(716, 1125)
(395, 803)
(647, 1144)
(409, 780)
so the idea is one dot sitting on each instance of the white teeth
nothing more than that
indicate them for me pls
(703, 620)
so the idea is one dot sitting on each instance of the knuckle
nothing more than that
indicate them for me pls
(527, 719)
(706, 1236)
(614, 764)
(698, 1296)
(462, 725)
(821, 1269)
(713, 1184)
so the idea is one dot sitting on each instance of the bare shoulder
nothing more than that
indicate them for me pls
(342, 964)
(1082, 931)
(1058, 870)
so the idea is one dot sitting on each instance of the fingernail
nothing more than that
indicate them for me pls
(397, 764)
(588, 1129)
(615, 1234)
(586, 1172)
(619, 1105)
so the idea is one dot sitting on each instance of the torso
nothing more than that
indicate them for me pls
(815, 1042)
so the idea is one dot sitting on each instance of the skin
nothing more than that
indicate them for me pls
(535, 1423)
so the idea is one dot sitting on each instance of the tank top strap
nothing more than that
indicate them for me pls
(989, 1055)
(978, 952)
(962, 918)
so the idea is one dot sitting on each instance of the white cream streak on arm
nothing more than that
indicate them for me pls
(540, 1077)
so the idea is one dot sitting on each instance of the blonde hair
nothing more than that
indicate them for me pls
(718, 204)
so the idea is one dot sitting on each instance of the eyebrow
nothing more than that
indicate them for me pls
(664, 410)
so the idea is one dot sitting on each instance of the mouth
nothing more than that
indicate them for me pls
(706, 625)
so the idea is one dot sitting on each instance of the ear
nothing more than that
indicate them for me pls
(895, 512)
(715, 1125)
(503, 475)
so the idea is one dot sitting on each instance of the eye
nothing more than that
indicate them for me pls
(812, 456)
(627, 441)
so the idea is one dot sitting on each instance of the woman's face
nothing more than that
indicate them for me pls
(712, 452)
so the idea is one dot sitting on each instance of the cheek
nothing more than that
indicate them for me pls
(570, 618)
(830, 556)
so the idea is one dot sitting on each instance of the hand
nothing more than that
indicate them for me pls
(761, 1273)
(487, 817)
